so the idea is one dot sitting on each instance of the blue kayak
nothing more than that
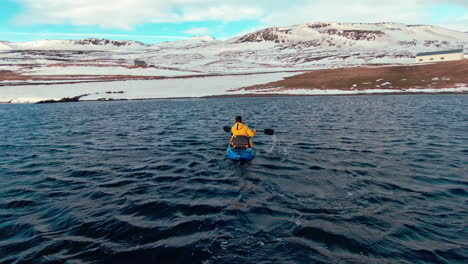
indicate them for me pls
(240, 154)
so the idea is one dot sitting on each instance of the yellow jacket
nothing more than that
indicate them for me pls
(239, 129)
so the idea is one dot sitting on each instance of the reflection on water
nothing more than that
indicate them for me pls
(358, 179)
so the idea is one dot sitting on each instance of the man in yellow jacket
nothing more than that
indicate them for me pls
(239, 130)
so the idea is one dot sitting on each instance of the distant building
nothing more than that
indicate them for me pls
(140, 63)
(437, 56)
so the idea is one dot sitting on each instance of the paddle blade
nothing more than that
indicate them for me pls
(227, 129)
(269, 131)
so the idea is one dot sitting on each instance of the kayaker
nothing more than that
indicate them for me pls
(241, 134)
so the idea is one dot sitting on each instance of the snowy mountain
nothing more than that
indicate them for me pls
(203, 38)
(352, 34)
(298, 47)
(72, 44)
(382, 38)
(91, 43)
(203, 66)
(106, 42)
(5, 45)
(186, 43)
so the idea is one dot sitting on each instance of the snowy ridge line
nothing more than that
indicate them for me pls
(48, 69)
(90, 44)
(306, 46)
(370, 32)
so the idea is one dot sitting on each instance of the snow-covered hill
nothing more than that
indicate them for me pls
(299, 47)
(54, 69)
(93, 44)
(83, 44)
(347, 35)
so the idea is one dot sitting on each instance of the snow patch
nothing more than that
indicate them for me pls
(139, 89)
(93, 70)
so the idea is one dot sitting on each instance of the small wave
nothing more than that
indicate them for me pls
(344, 180)
(332, 240)
(10, 230)
(17, 204)
(280, 167)
(86, 173)
(117, 183)
(458, 192)
(316, 168)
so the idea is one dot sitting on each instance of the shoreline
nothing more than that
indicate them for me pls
(298, 95)
(228, 96)
(440, 78)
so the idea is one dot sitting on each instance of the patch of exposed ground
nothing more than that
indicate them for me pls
(113, 63)
(438, 75)
(11, 78)
(63, 100)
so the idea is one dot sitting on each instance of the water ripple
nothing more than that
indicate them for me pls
(360, 179)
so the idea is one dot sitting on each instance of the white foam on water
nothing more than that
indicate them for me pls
(277, 147)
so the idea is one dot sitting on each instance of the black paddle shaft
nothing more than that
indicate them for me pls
(267, 131)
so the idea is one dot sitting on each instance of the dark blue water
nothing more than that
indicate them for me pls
(358, 179)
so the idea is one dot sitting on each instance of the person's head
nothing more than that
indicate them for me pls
(239, 119)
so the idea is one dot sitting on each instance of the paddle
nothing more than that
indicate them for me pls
(266, 131)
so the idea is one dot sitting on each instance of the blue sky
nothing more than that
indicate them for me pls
(153, 21)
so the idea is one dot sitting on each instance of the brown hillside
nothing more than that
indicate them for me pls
(438, 75)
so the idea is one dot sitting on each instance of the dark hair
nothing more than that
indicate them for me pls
(238, 118)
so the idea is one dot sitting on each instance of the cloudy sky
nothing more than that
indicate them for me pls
(153, 21)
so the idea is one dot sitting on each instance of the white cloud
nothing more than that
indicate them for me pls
(121, 14)
(197, 31)
(126, 14)
(459, 23)
(220, 13)
(365, 11)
